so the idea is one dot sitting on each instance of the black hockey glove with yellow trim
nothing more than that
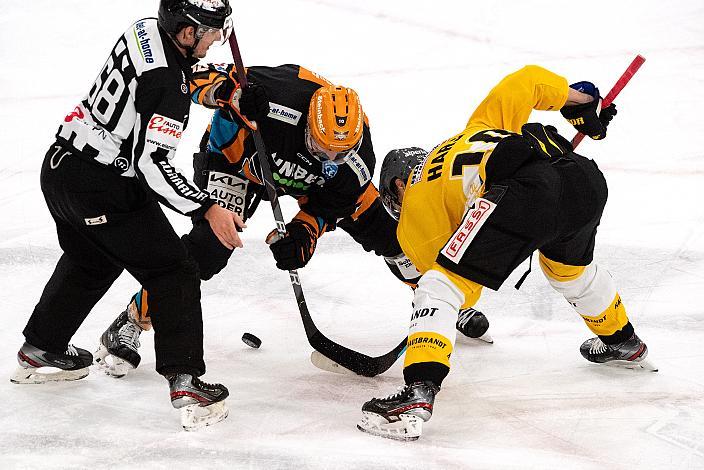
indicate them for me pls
(589, 118)
(294, 250)
(545, 140)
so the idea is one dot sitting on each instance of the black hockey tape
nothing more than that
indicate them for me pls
(250, 340)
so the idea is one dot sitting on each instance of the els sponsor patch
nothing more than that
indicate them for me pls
(473, 220)
(164, 132)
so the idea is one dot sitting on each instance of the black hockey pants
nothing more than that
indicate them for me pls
(106, 223)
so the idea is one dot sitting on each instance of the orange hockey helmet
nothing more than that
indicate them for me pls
(335, 123)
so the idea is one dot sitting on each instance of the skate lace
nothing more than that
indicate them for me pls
(71, 350)
(598, 347)
(129, 335)
(465, 316)
(204, 385)
(399, 391)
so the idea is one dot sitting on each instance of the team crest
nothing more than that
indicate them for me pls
(329, 170)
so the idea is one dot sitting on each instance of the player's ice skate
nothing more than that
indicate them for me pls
(201, 404)
(38, 366)
(630, 354)
(401, 415)
(117, 354)
(474, 324)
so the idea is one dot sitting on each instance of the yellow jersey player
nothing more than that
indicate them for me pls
(480, 204)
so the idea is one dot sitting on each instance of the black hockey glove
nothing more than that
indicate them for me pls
(294, 250)
(545, 141)
(229, 91)
(251, 102)
(589, 118)
(254, 103)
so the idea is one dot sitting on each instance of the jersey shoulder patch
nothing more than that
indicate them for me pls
(360, 169)
(145, 45)
(305, 74)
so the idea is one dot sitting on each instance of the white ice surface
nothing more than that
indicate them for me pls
(529, 400)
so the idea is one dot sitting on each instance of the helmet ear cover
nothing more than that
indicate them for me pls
(398, 165)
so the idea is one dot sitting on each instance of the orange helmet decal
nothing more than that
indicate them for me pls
(335, 118)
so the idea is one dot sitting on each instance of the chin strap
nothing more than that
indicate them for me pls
(189, 49)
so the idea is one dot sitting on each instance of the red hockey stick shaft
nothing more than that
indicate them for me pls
(613, 93)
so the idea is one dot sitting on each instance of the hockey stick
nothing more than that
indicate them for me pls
(352, 360)
(613, 93)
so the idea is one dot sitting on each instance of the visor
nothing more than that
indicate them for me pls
(390, 202)
(225, 31)
(323, 154)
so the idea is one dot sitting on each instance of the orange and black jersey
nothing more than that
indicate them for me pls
(325, 191)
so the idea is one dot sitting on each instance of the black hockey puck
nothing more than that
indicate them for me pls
(250, 340)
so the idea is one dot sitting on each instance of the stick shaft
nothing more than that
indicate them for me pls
(615, 90)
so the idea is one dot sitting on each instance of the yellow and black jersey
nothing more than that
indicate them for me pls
(440, 192)
(329, 192)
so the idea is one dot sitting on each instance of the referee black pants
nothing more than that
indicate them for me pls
(106, 223)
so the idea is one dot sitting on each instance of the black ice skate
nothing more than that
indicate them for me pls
(631, 353)
(71, 364)
(401, 415)
(117, 353)
(473, 324)
(201, 404)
